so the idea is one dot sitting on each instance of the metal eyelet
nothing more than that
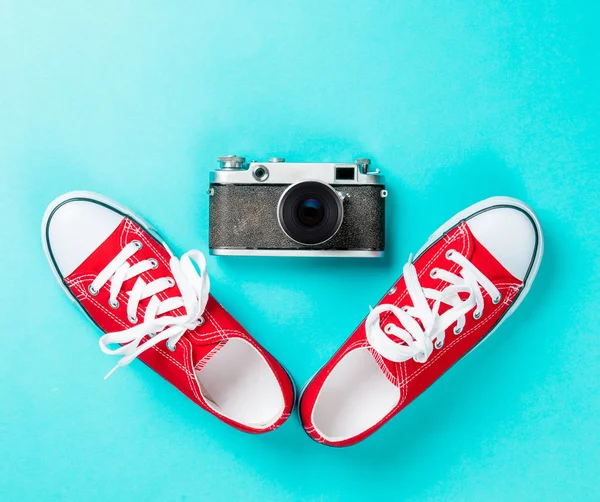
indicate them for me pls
(132, 319)
(405, 308)
(115, 304)
(457, 330)
(93, 291)
(171, 282)
(433, 273)
(439, 344)
(496, 300)
(476, 315)
(201, 321)
(392, 290)
(449, 253)
(153, 262)
(171, 348)
(137, 244)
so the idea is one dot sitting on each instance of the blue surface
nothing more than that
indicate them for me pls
(456, 101)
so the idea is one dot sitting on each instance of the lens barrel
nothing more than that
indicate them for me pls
(310, 212)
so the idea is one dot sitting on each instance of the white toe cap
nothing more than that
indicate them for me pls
(510, 234)
(75, 228)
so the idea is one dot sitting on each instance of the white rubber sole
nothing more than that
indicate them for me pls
(457, 218)
(82, 194)
(486, 204)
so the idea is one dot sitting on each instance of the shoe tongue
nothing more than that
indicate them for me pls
(388, 368)
(207, 339)
(201, 354)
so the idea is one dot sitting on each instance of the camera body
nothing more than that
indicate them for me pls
(279, 208)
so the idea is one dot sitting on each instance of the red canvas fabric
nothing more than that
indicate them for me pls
(411, 377)
(195, 348)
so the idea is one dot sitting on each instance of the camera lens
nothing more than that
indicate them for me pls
(310, 212)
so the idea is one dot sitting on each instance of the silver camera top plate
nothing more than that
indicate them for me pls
(235, 170)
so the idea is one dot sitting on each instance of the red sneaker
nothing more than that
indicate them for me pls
(154, 307)
(468, 278)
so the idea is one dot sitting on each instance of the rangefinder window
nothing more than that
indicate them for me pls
(344, 173)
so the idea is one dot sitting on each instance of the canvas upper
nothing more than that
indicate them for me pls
(360, 388)
(215, 362)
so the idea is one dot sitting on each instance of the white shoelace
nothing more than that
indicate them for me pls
(420, 339)
(194, 288)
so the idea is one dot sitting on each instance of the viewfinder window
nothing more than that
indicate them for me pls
(344, 173)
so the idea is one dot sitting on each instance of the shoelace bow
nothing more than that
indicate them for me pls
(194, 288)
(419, 338)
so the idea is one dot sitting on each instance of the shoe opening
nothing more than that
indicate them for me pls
(355, 396)
(238, 383)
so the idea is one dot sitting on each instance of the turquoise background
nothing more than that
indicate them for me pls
(454, 100)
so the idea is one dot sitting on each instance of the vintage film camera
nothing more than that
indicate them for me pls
(279, 208)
